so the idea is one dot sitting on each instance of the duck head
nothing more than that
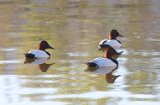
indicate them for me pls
(44, 45)
(114, 34)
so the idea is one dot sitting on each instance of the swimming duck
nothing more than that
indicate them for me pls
(106, 62)
(41, 53)
(112, 41)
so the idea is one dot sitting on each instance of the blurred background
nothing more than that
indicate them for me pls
(74, 28)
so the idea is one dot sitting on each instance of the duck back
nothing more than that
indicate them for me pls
(113, 43)
(39, 53)
(104, 62)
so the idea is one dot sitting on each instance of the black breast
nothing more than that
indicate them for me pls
(116, 62)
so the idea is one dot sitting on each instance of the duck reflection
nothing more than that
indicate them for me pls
(40, 62)
(109, 76)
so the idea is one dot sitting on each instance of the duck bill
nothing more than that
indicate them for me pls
(50, 47)
(120, 35)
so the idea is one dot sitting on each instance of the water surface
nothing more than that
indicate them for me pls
(74, 28)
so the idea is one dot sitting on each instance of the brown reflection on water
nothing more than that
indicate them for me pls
(41, 62)
(75, 28)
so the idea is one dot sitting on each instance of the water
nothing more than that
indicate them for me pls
(74, 28)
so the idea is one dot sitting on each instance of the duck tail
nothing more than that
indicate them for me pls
(121, 52)
(29, 56)
(91, 64)
(103, 45)
(115, 56)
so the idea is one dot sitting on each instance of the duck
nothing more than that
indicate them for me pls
(112, 41)
(41, 52)
(107, 62)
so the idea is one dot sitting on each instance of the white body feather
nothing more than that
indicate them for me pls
(39, 53)
(113, 43)
(103, 70)
(39, 61)
(105, 63)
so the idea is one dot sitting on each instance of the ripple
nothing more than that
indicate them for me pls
(154, 40)
(36, 103)
(38, 91)
(101, 94)
(139, 103)
(10, 61)
(8, 49)
(77, 54)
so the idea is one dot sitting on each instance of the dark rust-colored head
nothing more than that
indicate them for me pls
(114, 34)
(44, 45)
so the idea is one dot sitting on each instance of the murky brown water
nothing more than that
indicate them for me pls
(74, 28)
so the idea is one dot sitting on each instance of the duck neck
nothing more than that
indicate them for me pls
(108, 53)
(41, 47)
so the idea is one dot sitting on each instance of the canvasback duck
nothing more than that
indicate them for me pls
(106, 62)
(41, 53)
(112, 41)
